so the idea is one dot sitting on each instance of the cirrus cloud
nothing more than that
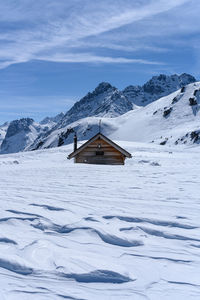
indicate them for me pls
(61, 30)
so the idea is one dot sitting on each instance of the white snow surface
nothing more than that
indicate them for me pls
(78, 231)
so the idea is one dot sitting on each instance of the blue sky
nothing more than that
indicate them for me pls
(53, 52)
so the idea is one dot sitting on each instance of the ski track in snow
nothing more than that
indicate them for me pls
(85, 232)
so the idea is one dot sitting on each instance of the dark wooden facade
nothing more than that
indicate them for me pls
(100, 150)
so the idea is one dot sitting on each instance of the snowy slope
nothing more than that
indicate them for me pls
(84, 128)
(171, 119)
(75, 231)
(157, 87)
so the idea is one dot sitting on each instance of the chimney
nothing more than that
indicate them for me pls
(75, 142)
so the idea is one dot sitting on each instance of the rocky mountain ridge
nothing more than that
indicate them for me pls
(156, 87)
(105, 101)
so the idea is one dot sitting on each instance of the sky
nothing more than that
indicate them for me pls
(53, 52)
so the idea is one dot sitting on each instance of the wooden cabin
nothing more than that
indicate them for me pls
(99, 150)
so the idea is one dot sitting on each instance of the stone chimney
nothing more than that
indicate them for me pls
(75, 142)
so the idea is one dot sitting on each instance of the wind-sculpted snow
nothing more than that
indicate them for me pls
(8, 241)
(151, 221)
(15, 266)
(107, 238)
(103, 276)
(85, 232)
(49, 207)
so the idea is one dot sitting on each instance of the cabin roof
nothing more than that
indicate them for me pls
(103, 137)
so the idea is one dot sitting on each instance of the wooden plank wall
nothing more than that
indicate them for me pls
(111, 155)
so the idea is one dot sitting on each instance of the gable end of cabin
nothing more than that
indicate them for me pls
(100, 152)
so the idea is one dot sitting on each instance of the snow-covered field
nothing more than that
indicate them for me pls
(74, 231)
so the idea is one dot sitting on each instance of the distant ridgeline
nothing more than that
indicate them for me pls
(138, 113)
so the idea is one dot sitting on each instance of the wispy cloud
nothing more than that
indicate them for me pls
(64, 31)
(91, 58)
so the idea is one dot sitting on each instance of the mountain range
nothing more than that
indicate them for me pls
(163, 110)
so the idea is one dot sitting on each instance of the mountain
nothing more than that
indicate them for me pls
(156, 87)
(20, 134)
(105, 100)
(108, 101)
(173, 119)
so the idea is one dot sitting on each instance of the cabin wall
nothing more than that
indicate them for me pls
(110, 156)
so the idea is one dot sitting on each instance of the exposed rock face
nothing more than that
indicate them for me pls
(157, 87)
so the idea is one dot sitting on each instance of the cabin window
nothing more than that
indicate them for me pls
(99, 152)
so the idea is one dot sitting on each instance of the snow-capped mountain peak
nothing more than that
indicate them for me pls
(20, 133)
(17, 126)
(105, 100)
(103, 87)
